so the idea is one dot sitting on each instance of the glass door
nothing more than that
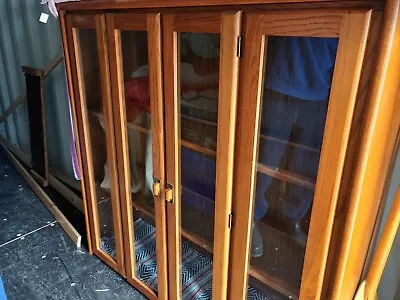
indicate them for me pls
(299, 79)
(200, 77)
(134, 42)
(86, 36)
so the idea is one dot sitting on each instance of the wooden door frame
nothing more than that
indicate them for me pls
(96, 22)
(151, 24)
(73, 104)
(351, 26)
(228, 25)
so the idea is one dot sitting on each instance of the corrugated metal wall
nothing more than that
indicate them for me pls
(26, 41)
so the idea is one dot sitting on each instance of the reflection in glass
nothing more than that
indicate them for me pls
(297, 82)
(138, 115)
(199, 77)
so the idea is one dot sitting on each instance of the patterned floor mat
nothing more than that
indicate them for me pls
(196, 267)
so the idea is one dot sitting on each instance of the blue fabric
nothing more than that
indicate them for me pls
(301, 67)
(2, 291)
(198, 173)
(281, 114)
(198, 183)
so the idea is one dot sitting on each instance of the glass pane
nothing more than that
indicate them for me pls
(91, 79)
(297, 82)
(137, 105)
(199, 77)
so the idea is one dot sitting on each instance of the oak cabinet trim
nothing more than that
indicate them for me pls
(67, 61)
(97, 23)
(228, 25)
(304, 18)
(381, 125)
(151, 24)
(352, 29)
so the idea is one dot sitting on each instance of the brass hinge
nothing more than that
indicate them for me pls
(169, 193)
(230, 221)
(239, 46)
(156, 187)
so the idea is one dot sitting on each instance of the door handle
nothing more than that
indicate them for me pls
(169, 193)
(156, 187)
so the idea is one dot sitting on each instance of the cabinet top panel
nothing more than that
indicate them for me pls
(151, 4)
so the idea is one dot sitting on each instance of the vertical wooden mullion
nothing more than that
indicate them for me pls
(109, 135)
(67, 58)
(157, 130)
(229, 63)
(353, 34)
(172, 145)
(248, 119)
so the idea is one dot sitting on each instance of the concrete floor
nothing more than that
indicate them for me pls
(38, 260)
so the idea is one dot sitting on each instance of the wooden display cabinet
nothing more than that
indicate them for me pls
(228, 147)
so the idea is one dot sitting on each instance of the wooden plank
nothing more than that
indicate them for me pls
(346, 76)
(56, 178)
(158, 146)
(13, 106)
(53, 63)
(263, 136)
(66, 180)
(306, 23)
(276, 283)
(48, 68)
(33, 71)
(379, 133)
(14, 149)
(197, 22)
(126, 4)
(199, 120)
(198, 148)
(82, 21)
(204, 150)
(138, 127)
(39, 178)
(58, 215)
(128, 124)
(287, 176)
(66, 192)
(227, 98)
(128, 21)
(289, 143)
(171, 100)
